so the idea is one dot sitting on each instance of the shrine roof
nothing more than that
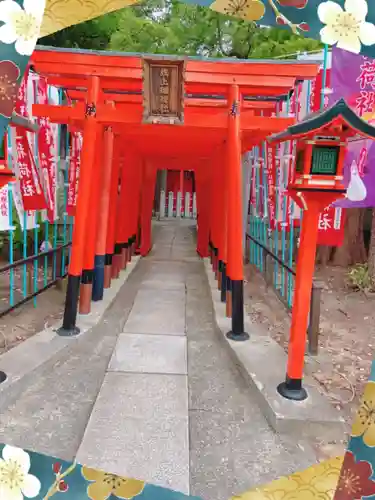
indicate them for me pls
(123, 71)
(321, 119)
(140, 55)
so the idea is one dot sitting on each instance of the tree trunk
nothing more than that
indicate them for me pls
(353, 249)
(371, 254)
(323, 255)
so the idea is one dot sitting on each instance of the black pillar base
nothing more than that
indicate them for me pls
(72, 332)
(137, 241)
(215, 261)
(98, 280)
(223, 291)
(292, 389)
(118, 248)
(239, 337)
(3, 377)
(69, 328)
(238, 329)
(87, 276)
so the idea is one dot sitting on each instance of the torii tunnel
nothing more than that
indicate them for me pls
(216, 111)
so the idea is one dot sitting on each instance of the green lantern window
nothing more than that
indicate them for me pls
(324, 160)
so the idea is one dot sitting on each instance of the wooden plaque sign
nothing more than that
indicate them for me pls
(163, 91)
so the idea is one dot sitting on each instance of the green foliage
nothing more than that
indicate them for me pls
(95, 34)
(359, 278)
(188, 29)
(170, 27)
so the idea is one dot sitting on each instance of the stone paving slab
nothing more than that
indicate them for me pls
(157, 323)
(156, 451)
(165, 283)
(158, 311)
(164, 265)
(139, 428)
(156, 298)
(150, 354)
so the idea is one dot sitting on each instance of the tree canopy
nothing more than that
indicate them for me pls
(170, 27)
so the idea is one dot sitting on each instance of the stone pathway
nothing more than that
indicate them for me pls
(151, 392)
(140, 419)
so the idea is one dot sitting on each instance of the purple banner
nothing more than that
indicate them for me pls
(353, 78)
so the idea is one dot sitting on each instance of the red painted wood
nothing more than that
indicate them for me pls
(148, 191)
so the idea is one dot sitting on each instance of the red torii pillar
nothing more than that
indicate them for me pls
(89, 254)
(112, 211)
(222, 226)
(134, 203)
(81, 228)
(202, 176)
(98, 281)
(147, 198)
(116, 248)
(182, 197)
(128, 185)
(120, 256)
(214, 221)
(234, 218)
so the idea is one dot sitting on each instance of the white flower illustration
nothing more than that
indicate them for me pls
(348, 28)
(15, 480)
(21, 26)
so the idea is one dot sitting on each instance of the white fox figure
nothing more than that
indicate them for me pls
(356, 188)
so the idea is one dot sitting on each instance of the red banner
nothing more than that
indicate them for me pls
(26, 171)
(271, 176)
(285, 202)
(331, 227)
(46, 150)
(74, 169)
(294, 106)
(253, 202)
(24, 164)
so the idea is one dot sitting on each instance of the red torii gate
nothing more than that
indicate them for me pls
(224, 114)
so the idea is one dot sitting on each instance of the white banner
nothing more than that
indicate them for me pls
(4, 209)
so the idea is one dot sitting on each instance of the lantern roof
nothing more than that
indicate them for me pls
(337, 114)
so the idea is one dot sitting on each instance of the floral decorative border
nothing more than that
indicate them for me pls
(25, 474)
(20, 23)
(325, 20)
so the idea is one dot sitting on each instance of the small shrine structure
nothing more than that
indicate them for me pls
(315, 183)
